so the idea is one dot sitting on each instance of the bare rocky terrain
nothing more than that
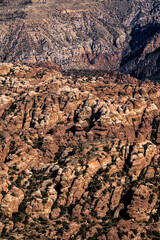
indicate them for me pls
(79, 154)
(113, 35)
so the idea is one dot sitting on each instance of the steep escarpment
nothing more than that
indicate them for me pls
(79, 154)
(120, 35)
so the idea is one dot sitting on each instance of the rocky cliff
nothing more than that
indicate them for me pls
(119, 35)
(79, 154)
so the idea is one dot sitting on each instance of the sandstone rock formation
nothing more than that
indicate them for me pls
(79, 154)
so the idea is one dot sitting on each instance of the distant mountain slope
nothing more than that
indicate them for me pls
(83, 34)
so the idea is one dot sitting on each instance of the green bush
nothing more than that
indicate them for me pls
(18, 217)
(106, 149)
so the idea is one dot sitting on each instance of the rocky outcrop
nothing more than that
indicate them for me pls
(79, 154)
(141, 157)
(142, 204)
(11, 201)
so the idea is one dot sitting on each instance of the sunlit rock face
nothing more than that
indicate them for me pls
(79, 154)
